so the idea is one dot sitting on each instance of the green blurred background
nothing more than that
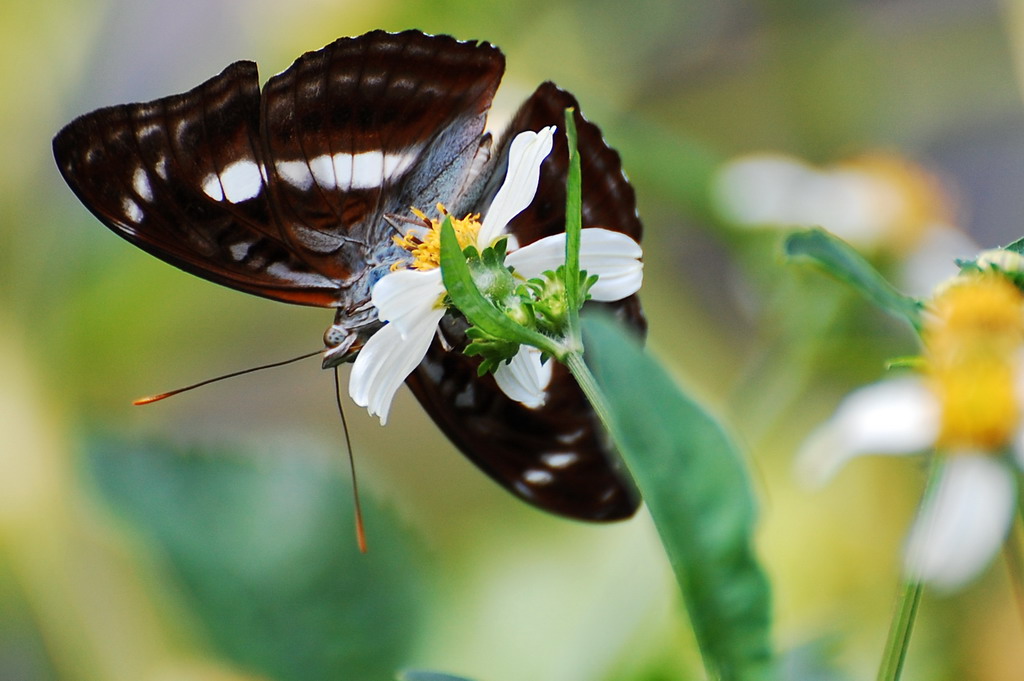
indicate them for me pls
(210, 537)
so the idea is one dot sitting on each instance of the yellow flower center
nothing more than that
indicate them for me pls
(973, 343)
(426, 246)
(906, 198)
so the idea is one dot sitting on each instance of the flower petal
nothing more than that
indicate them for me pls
(1017, 448)
(404, 298)
(1017, 444)
(612, 256)
(963, 522)
(896, 416)
(387, 359)
(525, 379)
(527, 151)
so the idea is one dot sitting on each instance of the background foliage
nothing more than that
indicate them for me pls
(208, 537)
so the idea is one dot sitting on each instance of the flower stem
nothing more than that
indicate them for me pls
(899, 631)
(581, 372)
(1013, 551)
(905, 611)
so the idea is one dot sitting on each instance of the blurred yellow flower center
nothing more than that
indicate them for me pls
(425, 246)
(973, 343)
(906, 198)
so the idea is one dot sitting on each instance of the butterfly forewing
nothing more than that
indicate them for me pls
(180, 178)
(283, 195)
(557, 456)
(372, 126)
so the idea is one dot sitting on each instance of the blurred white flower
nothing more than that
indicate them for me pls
(968, 406)
(875, 202)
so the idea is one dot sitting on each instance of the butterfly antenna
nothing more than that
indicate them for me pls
(401, 223)
(162, 396)
(360, 530)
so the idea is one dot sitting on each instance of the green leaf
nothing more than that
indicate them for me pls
(841, 261)
(261, 551)
(573, 221)
(696, 487)
(423, 675)
(916, 362)
(815, 660)
(458, 281)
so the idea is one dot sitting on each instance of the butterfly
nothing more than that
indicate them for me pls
(292, 193)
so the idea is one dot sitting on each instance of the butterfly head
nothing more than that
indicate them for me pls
(346, 336)
(354, 324)
(420, 250)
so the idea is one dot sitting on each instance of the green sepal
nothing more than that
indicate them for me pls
(493, 351)
(481, 312)
(1005, 261)
(1016, 246)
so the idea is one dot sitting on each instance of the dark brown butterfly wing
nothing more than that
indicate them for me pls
(369, 126)
(289, 207)
(555, 457)
(608, 198)
(283, 195)
(180, 178)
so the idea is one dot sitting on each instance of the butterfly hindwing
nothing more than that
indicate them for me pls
(608, 198)
(557, 456)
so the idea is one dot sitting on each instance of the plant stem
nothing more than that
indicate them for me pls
(899, 631)
(905, 611)
(1015, 566)
(1013, 551)
(581, 372)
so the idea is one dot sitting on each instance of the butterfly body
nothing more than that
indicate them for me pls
(294, 193)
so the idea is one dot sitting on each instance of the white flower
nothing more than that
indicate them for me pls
(874, 201)
(964, 520)
(969, 411)
(409, 300)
